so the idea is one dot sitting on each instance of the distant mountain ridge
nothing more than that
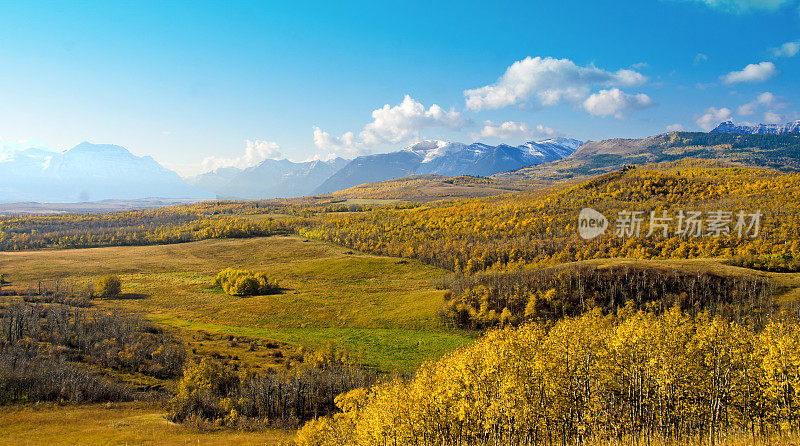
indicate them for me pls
(86, 172)
(269, 179)
(776, 151)
(433, 157)
(757, 129)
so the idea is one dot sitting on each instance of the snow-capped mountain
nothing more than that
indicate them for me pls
(447, 158)
(269, 179)
(757, 129)
(86, 172)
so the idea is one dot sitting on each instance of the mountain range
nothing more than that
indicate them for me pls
(449, 159)
(283, 178)
(94, 172)
(757, 129)
(269, 179)
(86, 172)
(776, 151)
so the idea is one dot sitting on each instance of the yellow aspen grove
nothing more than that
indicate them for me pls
(593, 378)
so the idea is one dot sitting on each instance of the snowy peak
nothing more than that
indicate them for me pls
(757, 129)
(86, 172)
(447, 158)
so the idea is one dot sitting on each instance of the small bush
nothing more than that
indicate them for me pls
(108, 286)
(240, 282)
(2, 279)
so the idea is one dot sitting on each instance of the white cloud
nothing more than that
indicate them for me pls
(549, 81)
(712, 117)
(700, 58)
(751, 73)
(343, 145)
(764, 99)
(615, 102)
(788, 49)
(403, 121)
(391, 125)
(255, 152)
(773, 118)
(514, 129)
(674, 127)
(742, 6)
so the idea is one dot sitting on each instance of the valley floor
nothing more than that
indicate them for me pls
(382, 309)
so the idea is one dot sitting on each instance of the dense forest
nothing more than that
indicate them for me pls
(549, 294)
(536, 228)
(539, 228)
(635, 376)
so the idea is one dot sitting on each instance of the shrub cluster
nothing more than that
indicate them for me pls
(115, 340)
(108, 286)
(241, 282)
(210, 392)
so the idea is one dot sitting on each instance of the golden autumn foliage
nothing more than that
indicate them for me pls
(540, 227)
(173, 224)
(593, 378)
(487, 300)
(240, 282)
(108, 286)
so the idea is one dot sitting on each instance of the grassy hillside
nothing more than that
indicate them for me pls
(540, 227)
(383, 310)
(429, 188)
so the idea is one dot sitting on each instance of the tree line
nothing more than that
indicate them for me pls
(492, 299)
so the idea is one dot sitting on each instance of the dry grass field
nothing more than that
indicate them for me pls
(116, 424)
(382, 309)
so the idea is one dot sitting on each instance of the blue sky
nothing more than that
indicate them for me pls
(200, 85)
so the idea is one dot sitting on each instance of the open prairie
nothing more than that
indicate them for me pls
(382, 309)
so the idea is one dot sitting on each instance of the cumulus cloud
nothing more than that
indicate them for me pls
(765, 99)
(394, 124)
(547, 80)
(344, 145)
(674, 127)
(514, 129)
(255, 152)
(751, 73)
(712, 117)
(788, 49)
(615, 102)
(743, 6)
(391, 125)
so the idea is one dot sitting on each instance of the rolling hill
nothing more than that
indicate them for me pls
(777, 151)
